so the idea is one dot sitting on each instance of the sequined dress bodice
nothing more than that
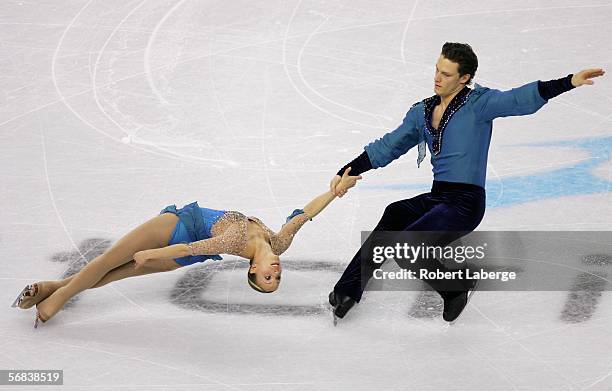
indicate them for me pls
(229, 235)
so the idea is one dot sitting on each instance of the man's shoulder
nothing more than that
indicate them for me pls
(478, 92)
(480, 89)
(416, 111)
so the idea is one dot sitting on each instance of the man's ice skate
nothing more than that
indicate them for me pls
(455, 302)
(340, 305)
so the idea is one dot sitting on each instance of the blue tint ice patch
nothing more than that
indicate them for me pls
(576, 179)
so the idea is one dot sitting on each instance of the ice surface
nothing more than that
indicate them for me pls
(111, 110)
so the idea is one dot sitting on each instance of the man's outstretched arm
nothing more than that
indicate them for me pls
(531, 97)
(551, 88)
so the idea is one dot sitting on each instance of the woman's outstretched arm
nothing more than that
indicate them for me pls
(174, 251)
(283, 239)
(222, 244)
(315, 206)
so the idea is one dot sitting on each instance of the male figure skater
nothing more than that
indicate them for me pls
(456, 125)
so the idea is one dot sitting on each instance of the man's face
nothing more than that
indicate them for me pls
(447, 80)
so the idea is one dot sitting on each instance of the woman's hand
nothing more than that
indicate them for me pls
(333, 183)
(141, 257)
(345, 183)
(583, 77)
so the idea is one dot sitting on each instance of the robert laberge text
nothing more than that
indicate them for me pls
(424, 274)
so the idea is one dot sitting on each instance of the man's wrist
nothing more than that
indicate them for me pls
(552, 88)
(358, 165)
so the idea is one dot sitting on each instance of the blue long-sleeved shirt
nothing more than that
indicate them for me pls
(460, 153)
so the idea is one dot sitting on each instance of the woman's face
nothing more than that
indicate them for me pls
(267, 271)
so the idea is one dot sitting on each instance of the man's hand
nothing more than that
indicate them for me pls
(583, 77)
(339, 185)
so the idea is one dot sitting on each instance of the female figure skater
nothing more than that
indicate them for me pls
(177, 238)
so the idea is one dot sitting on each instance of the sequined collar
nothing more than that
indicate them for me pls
(430, 104)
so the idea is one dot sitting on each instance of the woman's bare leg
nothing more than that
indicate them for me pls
(46, 288)
(129, 270)
(154, 233)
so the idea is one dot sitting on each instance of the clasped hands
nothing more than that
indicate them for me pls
(339, 185)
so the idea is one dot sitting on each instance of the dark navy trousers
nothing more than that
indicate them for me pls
(452, 209)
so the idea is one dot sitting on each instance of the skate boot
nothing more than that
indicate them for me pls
(455, 302)
(28, 291)
(341, 305)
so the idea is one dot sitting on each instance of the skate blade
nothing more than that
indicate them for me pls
(469, 296)
(38, 319)
(333, 309)
(472, 291)
(20, 297)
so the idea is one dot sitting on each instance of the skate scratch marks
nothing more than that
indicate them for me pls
(146, 361)
(94, 77)
(147, 54)
(160, 151)
(405, 32)
(297, 89)
(53, 203)
(511, 339)
(308, 86)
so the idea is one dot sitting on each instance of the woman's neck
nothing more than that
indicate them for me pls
(261, 246)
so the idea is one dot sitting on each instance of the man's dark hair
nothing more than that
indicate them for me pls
(462, 54)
